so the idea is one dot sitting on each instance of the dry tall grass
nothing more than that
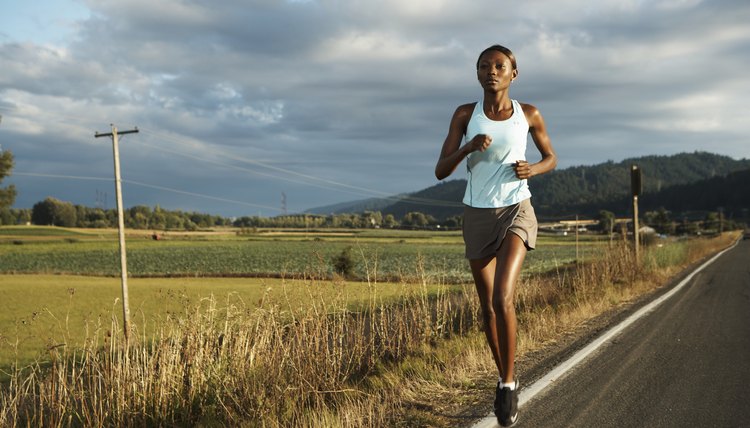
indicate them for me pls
(224, 364)
(227, 364)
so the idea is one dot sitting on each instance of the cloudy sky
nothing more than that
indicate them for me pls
(249, 107)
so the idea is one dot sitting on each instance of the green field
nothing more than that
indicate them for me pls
(389, 254)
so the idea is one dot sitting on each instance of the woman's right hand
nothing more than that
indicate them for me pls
(480, 142)
(453, 152)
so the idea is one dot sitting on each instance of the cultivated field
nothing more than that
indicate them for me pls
(377, 253)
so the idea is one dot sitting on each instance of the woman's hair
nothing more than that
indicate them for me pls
(502, 49)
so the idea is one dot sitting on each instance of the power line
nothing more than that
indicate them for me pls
(307, 177)
(228, 165)
(71, 177)
(279, 169)
(183, 192)
(152, 186)
(304, 179)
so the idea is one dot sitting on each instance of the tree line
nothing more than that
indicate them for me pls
(665, 222)
(54, 212)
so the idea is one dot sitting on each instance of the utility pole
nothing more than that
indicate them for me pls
(121, 227)
(636, 186)
(577, 260)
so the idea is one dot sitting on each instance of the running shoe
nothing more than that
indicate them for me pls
(506, 405)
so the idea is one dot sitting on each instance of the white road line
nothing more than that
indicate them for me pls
(531, 391)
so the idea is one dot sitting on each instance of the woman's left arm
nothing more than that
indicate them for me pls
(539, 135)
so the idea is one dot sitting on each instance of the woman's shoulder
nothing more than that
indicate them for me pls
(462, 117)
(465, 110)
(527, 108)
(468, 107)
(530, 111)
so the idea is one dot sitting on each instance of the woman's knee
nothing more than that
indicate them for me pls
(488, 315)
(504, 306)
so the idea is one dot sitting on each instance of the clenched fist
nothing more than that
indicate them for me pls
(523, 169)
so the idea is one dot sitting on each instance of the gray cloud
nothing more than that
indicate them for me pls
(309, 97)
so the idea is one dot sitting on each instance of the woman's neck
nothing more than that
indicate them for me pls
(498, 103)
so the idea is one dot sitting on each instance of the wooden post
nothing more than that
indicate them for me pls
(636, 228)
(636, 185)
(577, 260)
(121, 229)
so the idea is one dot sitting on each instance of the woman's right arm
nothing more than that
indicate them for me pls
(452, 153)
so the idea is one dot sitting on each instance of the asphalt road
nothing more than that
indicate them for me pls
(686, 364)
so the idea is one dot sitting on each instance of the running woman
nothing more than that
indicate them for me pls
(499, 224)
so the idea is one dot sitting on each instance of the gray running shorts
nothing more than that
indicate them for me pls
(485, 228)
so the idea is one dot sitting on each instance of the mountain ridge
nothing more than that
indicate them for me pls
(580, 190)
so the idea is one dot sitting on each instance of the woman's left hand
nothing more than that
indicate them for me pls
(523, 169)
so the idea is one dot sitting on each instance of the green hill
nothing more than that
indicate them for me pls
(584, 190)
(729, 193)
(358, 206)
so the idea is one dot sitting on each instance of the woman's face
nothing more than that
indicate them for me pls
(495, 71)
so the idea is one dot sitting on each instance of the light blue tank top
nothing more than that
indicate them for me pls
(492, 182)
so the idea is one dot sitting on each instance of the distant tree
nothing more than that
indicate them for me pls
(81, 215)
(606, 221)
(7, 194)
(158, 219)
(389, 221)
(54, 212)
(42, 213)
(660, 220)
(6, 216)
(417, 219)
(244, 221)
(650, 218)
(202, 220)
(97, 217)
(137, 217)
(65, 214)
(455, 221)
(688, 227)
(345, 220)
(24, 216)
(174, 221)
(371, 219)
(712, 222)
(21, 216)
(414, 219)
